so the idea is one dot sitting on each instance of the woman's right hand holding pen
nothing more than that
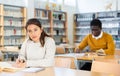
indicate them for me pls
(20, 63)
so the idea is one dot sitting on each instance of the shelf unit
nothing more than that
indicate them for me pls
(44, 17)
(81, 25)
(13, 19)
(54, 23)
(110, 24)
(1, 25)
(60, 30)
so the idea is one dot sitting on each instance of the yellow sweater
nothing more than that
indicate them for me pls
(106, 43)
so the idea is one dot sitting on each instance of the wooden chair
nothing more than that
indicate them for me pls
(62, 62)
(60, 50)
(105, 67)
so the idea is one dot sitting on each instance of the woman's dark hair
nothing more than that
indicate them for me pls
(96, 22)
(37, 23)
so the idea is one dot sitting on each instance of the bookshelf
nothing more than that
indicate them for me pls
(60, 29)
(110, 24)
(81, 25)
(44, 17)
(1, 26)
(54, 23)
(12, 25)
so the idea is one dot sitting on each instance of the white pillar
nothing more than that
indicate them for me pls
(30, 9)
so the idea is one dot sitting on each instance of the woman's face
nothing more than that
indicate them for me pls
(34, 32)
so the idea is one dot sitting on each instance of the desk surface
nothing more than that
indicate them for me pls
(82, 56)
(57, 72)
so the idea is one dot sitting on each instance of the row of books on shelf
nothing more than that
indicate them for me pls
(115, 37)
(55, 25)
(12, 32)
(15, 32)
(13, 11)
(12, 41)
(44, 14)
(100, 15)
(87, 31)
(10, 22)
(104, 24)
(60, 25)
(57, 16)
(57, 32)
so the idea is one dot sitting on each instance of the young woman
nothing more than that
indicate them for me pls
(38, 49)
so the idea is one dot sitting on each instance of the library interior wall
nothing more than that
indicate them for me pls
(30, 4)
(86, 6)
(70, 12)
(14, 2)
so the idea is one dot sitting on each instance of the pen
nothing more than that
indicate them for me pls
(21, 60)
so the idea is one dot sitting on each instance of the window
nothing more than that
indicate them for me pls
(43, 0)
(70, 2)
(53, 1)
(56, 1)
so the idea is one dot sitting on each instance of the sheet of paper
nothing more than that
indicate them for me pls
(72, 54)
(6, 66)
(32, 69)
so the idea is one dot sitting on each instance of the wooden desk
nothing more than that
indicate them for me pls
(81, 58)
(54, 71)
(107, 58)
(81, 61)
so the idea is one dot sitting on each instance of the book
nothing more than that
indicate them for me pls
(100, 52)
(7, 67)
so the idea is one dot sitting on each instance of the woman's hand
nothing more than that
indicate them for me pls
(20, 63)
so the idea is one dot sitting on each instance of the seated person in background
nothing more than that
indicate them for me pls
(39, 49)
(98, 41)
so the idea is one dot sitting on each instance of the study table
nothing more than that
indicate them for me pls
(55, 71)
(82, 58)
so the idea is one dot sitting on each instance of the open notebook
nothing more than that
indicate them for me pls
(7, 67)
